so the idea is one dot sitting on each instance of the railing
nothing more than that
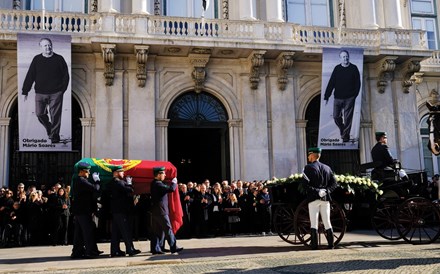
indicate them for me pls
(434, 60)
(21, 20)
(267, 33)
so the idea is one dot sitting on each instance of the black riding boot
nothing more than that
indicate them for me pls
(313, 238)
(329, 236)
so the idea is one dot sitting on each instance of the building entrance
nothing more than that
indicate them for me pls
(197, 153)
(198, 139)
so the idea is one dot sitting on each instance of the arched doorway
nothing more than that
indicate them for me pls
(341, 161)
(43, 168)
(198, 139)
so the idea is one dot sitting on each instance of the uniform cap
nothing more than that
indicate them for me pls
(84, 166)
(158, 169)
(314, 150)
(117, 168)
(380, 134)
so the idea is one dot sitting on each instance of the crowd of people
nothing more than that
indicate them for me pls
(31, 216)
(34, 216)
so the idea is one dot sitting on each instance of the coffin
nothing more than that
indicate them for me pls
(140, 170)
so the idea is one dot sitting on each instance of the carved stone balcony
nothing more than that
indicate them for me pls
(180, 31)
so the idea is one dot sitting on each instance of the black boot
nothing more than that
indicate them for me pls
(329, 236)
(313, 238)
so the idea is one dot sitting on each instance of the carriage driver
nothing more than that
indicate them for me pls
(382, 156)
(320, 183)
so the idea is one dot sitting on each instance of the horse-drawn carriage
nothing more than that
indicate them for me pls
(397, 209)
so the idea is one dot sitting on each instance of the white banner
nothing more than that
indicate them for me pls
(44, 92)
(341, 95)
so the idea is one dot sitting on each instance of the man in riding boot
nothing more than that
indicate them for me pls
(383, 158)
(320, 183)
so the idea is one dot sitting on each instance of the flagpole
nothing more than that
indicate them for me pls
(341, 20)
(43, 11)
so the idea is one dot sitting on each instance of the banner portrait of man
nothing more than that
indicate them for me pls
(341, 94)
(44, 92)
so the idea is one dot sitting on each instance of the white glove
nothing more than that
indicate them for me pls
(174, 180)
(322, 192)
(95, 176)
(128, 179)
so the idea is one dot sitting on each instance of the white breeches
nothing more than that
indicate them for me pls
(317, 207)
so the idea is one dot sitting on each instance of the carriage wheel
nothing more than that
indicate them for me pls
(419, 221)
(284, 224)
(384, 219)
(302, 224)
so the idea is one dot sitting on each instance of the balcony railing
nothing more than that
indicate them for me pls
(162, 27)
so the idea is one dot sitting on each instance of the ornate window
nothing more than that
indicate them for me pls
(191, 8)
(422, 6)
(430, 161)
(56, 5)
(423, 17)
(308, 12)
(197, 107)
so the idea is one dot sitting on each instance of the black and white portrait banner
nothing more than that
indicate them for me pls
(341, 94)
(44, 92)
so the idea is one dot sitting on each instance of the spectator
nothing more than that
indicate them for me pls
(216, 210)
(63, 214)
(232, 209)
(20, 190)
(34, 221)
(264, 209)
(185, 230)
(199, 211)
(13, 235)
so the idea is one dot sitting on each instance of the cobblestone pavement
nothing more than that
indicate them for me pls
(361, 252)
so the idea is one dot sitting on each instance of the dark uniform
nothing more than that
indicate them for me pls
(161, 227)
(321, 177)
(121, 205)
(382, 156)
(321, 183)
(83, 207)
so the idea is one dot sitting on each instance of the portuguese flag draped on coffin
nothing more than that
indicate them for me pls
(142, 173)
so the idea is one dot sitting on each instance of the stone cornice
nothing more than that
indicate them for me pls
(235, 123)
(162, 122)
(5, 121)
(87, 122)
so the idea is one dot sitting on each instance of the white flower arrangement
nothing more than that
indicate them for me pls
(349, 182)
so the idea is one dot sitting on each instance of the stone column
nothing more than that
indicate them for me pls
(282, 130)
(109, 5)
(235, 147)
(274, 10)
(4, 151)
(301, 143)
(87, 124)
(162, 139)
(246, 10)
(366, 141)
(141, 6)
(394, 14)
(368, 14)
(255, 129)
(109, 105)
(141, 115)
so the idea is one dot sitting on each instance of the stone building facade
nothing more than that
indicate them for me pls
(138, 69)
